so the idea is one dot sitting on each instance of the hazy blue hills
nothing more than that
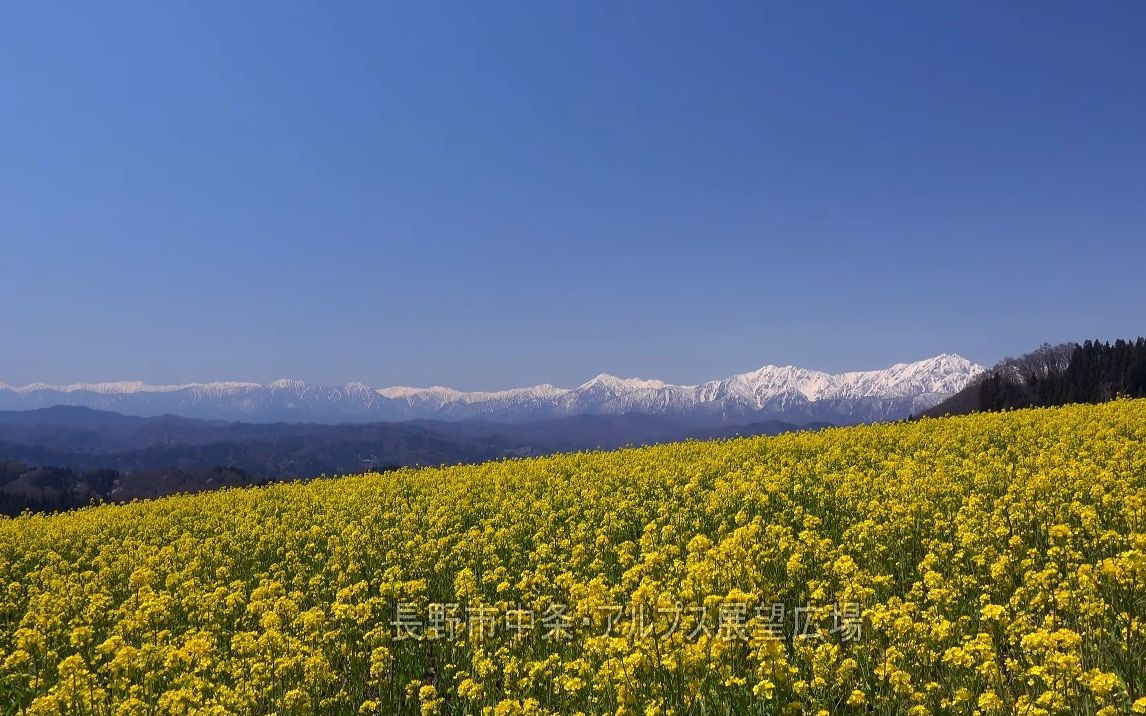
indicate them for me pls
(67, 455)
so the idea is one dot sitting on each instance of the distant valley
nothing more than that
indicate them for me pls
(66, 456)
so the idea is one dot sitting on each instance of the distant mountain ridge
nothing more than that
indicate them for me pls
(786, 393)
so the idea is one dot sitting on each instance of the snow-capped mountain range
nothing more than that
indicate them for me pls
(786, 393)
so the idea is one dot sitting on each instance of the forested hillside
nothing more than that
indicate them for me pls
(1090, 372)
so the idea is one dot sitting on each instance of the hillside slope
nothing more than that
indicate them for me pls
(994, 559)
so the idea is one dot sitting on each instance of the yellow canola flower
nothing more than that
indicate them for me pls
(989, 564)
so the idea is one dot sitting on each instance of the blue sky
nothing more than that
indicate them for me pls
(490, 194)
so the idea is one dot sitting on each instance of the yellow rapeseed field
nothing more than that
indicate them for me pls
(992, 564)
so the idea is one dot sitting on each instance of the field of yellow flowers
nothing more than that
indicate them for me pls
(991, 564)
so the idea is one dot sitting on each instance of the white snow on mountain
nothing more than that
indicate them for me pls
(128, 387)
(605, 381)
(787, 392)
(437, 391)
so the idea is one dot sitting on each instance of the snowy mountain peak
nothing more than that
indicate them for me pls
(612, 382)
(398, 391)
(403, 391)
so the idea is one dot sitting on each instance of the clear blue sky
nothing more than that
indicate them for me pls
(489, 194)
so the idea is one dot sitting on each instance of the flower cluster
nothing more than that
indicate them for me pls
(1000, 561)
